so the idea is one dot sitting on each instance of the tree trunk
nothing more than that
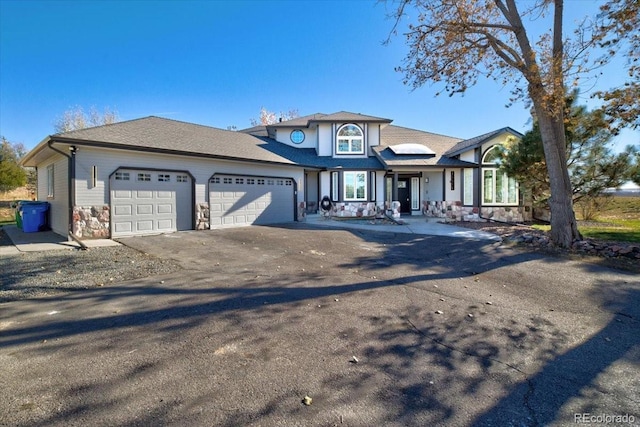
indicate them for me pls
(564, 227)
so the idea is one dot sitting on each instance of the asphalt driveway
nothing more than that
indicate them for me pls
(377, 328)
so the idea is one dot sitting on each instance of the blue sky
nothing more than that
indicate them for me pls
(216, 63)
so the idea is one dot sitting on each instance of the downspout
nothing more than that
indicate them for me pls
(70, 188)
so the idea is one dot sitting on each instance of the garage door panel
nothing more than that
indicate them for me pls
(122, 227)
(122, 210)
(144, 225)
(144, 209)
(121, 194)
(250, 200)
(165, 224)
(165, 208)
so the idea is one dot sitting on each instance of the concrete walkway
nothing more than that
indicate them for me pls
(44, 241)
(412, 225)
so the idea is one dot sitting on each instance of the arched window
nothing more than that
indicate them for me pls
(349, 140)
(497, 187)
(492, 156)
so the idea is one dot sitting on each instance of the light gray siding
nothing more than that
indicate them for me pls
(59, 203)
(107, 161)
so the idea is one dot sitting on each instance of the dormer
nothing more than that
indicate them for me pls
(339, 135)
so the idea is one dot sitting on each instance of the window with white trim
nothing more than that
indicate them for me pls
(497, 187)
(335, 182)
(349, 140)
(50, 182)
(354, 186)
(468, 187)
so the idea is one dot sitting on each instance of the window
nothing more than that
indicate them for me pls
(350, 140)
(122, 176)
(145, 177)
(497, 187)
(164, 177)
(50, 177)
(355, 186)
(468, 187)
(415, 193)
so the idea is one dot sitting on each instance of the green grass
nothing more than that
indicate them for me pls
(617, 221)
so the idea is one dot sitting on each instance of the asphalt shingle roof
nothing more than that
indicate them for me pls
(395, 135)
(175, 137)
(469, 144)
(160, 134)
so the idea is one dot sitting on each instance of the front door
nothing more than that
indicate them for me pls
(404, 195)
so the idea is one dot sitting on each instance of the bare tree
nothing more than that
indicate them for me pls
(270, 117)
(75, 118)
(459, 41)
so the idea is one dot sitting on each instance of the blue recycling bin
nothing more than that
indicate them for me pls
(34, 216)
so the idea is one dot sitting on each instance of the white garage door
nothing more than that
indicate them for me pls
(150, 202)
(244, 200)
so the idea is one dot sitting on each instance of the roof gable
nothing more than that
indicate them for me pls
(470, 144)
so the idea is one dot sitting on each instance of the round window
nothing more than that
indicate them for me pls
(297, 136)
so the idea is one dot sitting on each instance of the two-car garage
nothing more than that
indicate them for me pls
(147, 201)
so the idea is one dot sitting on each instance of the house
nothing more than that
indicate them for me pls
(154, 175)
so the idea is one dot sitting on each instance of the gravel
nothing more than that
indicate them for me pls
(46, 273)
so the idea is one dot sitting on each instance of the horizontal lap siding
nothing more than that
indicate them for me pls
(59, 204)
(108, 161)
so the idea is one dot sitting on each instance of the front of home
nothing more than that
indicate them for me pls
(156, 175)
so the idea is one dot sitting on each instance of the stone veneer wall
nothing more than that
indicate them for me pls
(91, 222)
(355, 209)
(202, 216)
(454, 211)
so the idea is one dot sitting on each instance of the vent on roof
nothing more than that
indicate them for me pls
(412, 149)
